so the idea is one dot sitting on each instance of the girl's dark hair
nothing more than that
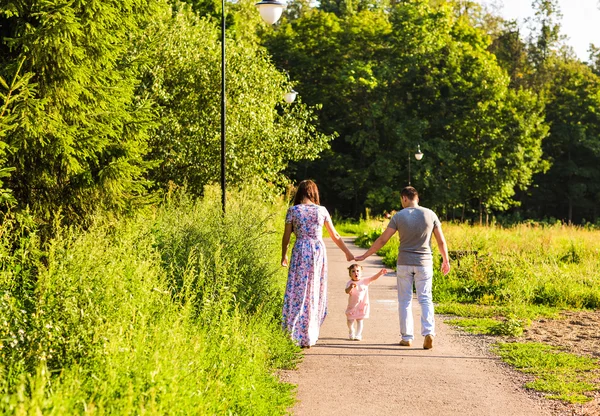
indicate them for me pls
(307, 189)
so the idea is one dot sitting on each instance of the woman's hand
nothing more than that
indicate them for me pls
(284, 261)
(349, 256)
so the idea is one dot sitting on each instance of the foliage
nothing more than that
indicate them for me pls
(78, 133)
(511, 326)
(564, 376)
(573, 146)
(263, 134)
(103, 102)
(414, 75)
(367, 239)
(142, 315)
(11, 95)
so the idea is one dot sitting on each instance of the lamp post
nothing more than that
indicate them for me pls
(270, 11)
(418, 156)
(290, 96)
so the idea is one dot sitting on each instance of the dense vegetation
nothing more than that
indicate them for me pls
(505, 123)
(171, 312)
(104, 103)
(122, 287)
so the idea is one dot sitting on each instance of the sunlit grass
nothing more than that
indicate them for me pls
(175, 311)
(563, 376)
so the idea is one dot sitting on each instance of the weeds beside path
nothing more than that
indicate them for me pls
(377, 377)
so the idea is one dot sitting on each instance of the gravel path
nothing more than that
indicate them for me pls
(376, 376)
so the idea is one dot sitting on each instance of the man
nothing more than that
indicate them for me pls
(414, 224)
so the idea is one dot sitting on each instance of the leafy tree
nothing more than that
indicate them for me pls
(263, 133)
(595, 58)
(511, 52)
(78, 139)
(417, 75)
(544, 40)
(336, 62)
(12, 94)
(571, 188)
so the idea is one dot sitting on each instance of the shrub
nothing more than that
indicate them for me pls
(174, 311)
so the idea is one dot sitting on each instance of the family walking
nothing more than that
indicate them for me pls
(305, 300)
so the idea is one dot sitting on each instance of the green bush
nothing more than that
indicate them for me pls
(366, 239)
(172, 312)
(511, 326)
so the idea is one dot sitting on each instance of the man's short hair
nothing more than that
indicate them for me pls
(409, 192)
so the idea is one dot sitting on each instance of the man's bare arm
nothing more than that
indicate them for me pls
(443, 247)
(377, 244)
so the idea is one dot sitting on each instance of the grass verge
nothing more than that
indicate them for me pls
(174, 311)
(561, 375)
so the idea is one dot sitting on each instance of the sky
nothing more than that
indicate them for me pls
(580, 20)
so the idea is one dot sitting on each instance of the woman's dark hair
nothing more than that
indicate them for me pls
(307, 189)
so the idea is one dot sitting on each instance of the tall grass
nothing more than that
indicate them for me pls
(176, 311)
(554, 266)
(551, 266)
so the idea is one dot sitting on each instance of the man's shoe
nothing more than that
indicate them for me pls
(428, 342)
(404, 343)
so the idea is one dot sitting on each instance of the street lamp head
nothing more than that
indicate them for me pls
(289, 97)
(419, 154)
(270, 10)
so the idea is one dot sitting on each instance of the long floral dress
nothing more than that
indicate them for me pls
(305, 301)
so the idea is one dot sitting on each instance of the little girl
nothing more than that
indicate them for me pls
(358, 299)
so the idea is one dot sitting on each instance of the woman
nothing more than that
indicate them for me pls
(305, 301)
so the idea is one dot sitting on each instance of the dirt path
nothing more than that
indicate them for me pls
(376, 376)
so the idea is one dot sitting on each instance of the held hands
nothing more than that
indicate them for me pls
(350, 256)
(360, 258)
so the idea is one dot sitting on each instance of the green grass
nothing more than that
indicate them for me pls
(546, 267)
(510, 326)
(174, 311)
(562, 376)
(519, 311)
